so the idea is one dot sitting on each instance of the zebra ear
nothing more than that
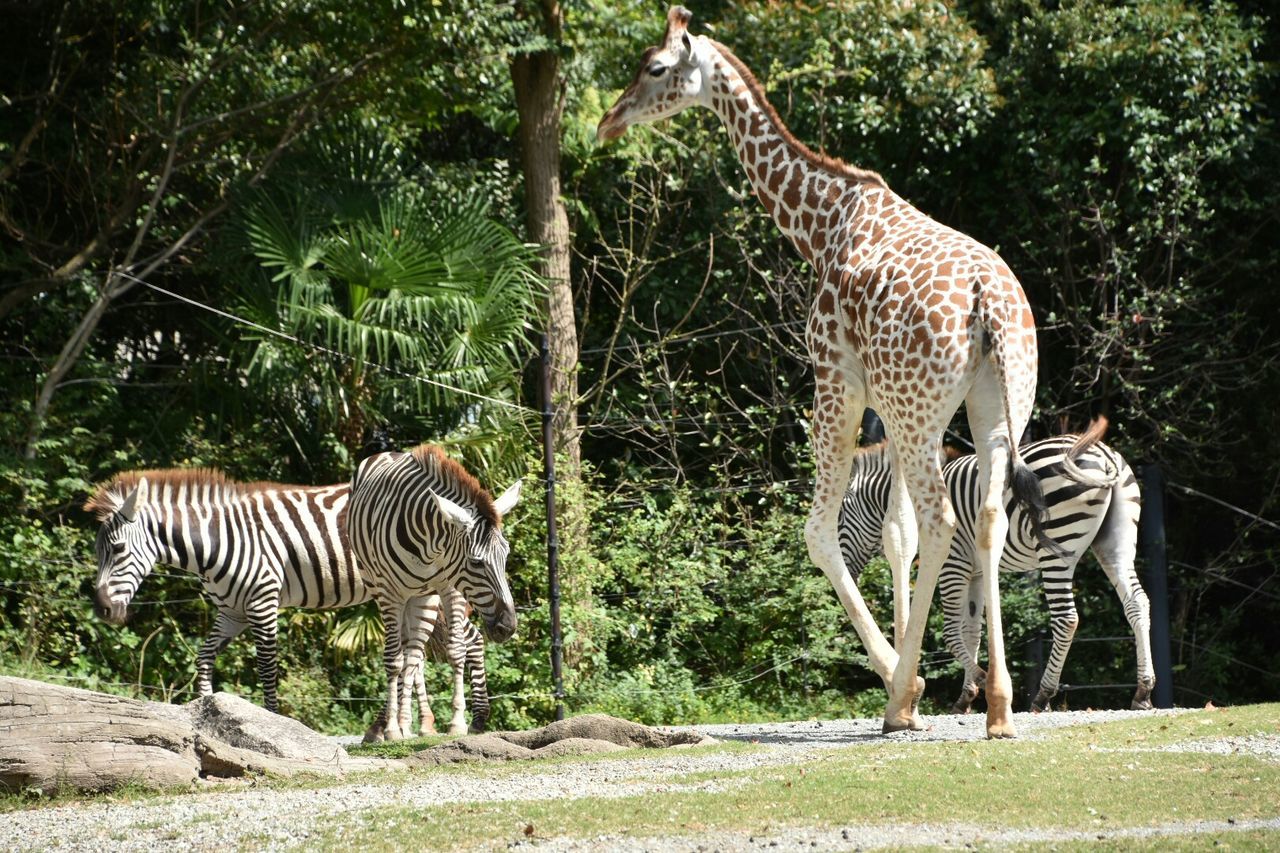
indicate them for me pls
(129, 509)
(453, 513)
(508, 500)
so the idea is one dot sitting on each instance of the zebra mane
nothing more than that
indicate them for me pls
(109, 495)
(871, 456)
(434, 461)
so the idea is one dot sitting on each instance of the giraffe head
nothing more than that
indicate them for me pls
(669, 79)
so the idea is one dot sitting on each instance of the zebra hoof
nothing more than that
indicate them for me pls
(1040, 704)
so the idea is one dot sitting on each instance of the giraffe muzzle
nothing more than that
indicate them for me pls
(611, 126)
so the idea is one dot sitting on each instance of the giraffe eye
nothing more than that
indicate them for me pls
(657, 69)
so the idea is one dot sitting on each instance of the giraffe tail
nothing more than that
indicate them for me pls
(1023, 482)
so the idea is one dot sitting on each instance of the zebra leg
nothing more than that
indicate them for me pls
(453, 614)
(419, 617)
(225, 629)
(900, 539)
(962, 626)
(1063, 621)
(387, 726)
(479, 683)
(1117, 561)
(426, 610)
(426, 719)
(264, 629)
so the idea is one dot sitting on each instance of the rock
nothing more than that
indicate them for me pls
(54, 737)
(239, 723)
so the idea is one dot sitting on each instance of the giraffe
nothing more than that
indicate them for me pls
(910, 317)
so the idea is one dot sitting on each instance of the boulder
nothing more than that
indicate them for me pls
(239, 723)
(54, 737)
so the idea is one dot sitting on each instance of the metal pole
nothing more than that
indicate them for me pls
(1156, 581)
(553, 542)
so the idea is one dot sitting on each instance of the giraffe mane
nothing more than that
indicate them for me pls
(110, 494)
(834, 165)
(434, 461)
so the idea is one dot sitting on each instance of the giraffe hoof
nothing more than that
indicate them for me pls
(891, 727)
(1141, 705)
(999, 729)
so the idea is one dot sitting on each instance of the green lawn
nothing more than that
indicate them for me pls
(1100, 777)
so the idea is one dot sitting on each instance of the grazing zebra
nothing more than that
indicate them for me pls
(256, 547)
(1097, 511)
(420, 524)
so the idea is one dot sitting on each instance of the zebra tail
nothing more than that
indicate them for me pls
(1090, 437)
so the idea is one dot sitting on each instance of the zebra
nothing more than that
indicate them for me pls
(1093, 503)
(256, 547)
(420, 523)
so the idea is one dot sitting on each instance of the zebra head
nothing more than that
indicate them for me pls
(483, 576)
(126, 554)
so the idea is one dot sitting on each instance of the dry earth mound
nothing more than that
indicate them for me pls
(575, 736)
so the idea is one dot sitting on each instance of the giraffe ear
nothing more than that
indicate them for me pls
(678, 18)
(689, 52)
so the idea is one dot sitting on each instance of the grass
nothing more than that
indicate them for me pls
(1092, 778)
(398, 748)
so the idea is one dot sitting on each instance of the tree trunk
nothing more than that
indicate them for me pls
(539, 90)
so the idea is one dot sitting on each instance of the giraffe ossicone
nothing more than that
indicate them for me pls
(910, 317)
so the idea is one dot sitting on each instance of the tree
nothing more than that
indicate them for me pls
(396, 307)
(539, 91)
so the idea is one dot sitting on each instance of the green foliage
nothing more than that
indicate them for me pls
(1122, 157)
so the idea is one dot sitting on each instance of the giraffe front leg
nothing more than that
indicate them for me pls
(837, 412)
(900, 539)
(922, 469)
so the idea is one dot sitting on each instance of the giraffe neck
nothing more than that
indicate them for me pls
(807, 194)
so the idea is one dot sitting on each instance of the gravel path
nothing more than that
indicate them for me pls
(232, 815)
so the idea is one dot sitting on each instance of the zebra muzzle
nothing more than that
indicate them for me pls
(501, 626)
(111, 612)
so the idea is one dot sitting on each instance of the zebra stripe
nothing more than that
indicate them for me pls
(421, 525)
(1093, 503)
(256, 547)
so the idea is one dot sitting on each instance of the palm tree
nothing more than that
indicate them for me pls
(387, 306)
